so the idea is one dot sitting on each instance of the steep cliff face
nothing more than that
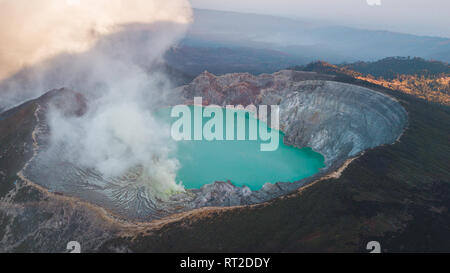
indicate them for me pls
(336, 119)
(340, 120)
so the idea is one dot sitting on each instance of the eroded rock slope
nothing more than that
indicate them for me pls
(336, 119)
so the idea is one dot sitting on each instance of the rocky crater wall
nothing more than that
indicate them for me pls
(336, 119)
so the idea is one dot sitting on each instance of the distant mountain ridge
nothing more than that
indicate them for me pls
(391, 67)
(227, 42)
(193, 60)
(310, 41)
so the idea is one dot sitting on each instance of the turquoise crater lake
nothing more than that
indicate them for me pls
(241, 161)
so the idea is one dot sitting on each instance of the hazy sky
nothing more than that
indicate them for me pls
(423, 17)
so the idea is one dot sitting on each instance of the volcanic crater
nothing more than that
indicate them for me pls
(336, 119)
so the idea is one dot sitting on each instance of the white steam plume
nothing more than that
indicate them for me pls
(104, 49)
(33, 30)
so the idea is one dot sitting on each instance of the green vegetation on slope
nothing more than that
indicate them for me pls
(392, 67)
(428, 80)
